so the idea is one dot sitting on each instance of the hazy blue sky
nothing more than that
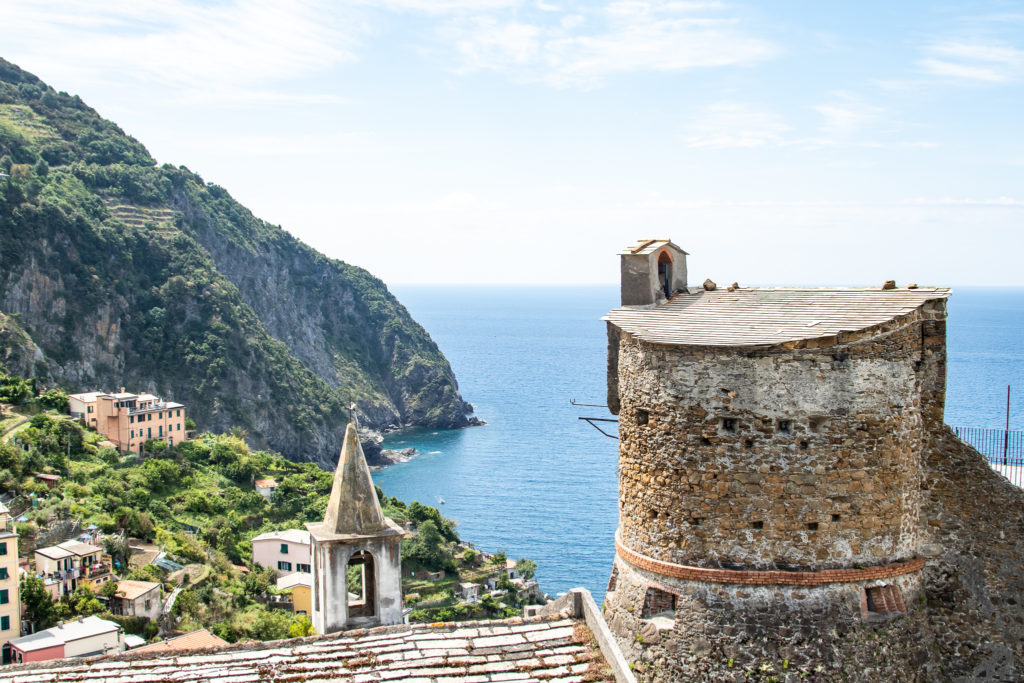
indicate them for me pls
(503, 141)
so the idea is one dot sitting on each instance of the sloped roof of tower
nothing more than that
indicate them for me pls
(353, 508)
(649, 246)
(768, 316)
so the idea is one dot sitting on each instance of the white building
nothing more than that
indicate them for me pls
(286, 551)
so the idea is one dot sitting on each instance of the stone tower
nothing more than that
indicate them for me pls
(355, 533)
(770, 474)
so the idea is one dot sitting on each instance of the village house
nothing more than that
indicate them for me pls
(130, 420)
(137, 599)
(83, 407)
(286, 551)
(196, 640)
(468, 592)
(83, 637)
(10, 602)
(298, 585)
(265, 487)
(511, 569)
(51, 480)
(68, 565)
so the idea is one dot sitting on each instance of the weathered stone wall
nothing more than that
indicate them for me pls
(973, 541)
(865, 440)
(720, 632)
(774, 459)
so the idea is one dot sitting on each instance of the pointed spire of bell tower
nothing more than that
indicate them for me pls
(353, 507)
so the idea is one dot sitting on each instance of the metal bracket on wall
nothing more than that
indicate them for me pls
(592, 420)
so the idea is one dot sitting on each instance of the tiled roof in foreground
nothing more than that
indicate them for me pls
(764, 317)
(557, 648)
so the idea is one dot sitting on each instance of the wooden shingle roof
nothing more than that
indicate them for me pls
(765, 317)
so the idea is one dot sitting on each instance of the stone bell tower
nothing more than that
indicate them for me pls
(355, 533)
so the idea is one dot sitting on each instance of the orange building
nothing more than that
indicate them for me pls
(130, 420)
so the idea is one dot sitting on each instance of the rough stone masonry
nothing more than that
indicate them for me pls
(791, 505)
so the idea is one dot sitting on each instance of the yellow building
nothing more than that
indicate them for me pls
(130, 420)
(299, 583)
(68, 565)
(10, 601)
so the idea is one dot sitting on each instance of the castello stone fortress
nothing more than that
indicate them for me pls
(791, 503)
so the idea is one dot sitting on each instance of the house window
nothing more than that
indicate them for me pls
(149, 432)
(284, 548)
(3, 574)
(4, 597)
(5, 623)
(177, 413)
(131, 419)
(149, 604)
(88, 409)
(284, 566)
(179, 426)
(302, 568)
(3, 548)
(160, 432)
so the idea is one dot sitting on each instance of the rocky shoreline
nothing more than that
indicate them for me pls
(378, 457)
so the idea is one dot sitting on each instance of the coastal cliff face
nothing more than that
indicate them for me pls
(115, 272)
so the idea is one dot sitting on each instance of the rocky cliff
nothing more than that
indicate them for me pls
(115, 272)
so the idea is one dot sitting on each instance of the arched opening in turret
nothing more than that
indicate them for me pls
(362, 589)
(665, 272)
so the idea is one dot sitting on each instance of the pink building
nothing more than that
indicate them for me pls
(81, 637)
(286, 551)
(130, 420)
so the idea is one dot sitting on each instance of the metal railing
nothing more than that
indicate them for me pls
(1003, 448)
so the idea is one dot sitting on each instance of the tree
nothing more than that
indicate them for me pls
(301, 627)
(83, 602)
(428, 548)
(526, 568)
(38, 604)
(54, 399)
(110, 589)
(271, 625)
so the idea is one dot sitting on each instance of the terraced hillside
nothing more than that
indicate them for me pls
(117, 272)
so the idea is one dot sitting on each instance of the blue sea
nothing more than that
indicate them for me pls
(536, 481)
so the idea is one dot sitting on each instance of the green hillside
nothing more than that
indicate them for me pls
(116, 272)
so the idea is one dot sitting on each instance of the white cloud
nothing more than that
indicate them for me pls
(736, 124)
(505, 43)
(846, 114)
(180, 44)
(726, 125)
(623, 37)
(977, 62)
(444, 6)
